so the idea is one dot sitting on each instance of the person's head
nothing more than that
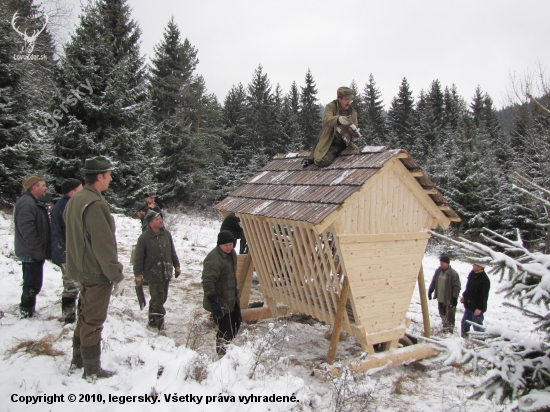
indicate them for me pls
(70, 186)
(36, 186)
(444, 261)
(345, 97)
(153, 220)
(478, 267)
(97, 172)
(226, 241)
(141, 209)
(149, 199)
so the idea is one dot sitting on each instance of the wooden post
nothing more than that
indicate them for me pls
(424, 303)
(243, 275)
(338, 322)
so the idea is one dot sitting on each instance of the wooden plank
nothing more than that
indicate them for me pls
(252, 314)
(255, 249)
(424, 303)
(279, 258)
(304, 271)
(361, 213)
(338, 322)
(245, 270)
(420, 193)
(328, 263)
(383, 237)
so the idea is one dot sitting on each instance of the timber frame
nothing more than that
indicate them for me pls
(343, 244)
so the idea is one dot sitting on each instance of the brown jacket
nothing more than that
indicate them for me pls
(328, 131)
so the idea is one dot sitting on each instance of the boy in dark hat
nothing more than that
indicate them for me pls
(339, 117)
(141, 209)
(475, 298)
(70, 287)
(446, 285)
(219, 282)
(155, 259)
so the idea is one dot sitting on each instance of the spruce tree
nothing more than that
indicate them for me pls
(310, 120)
(291, 121)
(374, 122)
(111, 115)
(401, 117)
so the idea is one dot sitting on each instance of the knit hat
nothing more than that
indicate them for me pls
(99, 164)
(139, 206)
(151, 214)
(31, 181)
(69, 184)
(225, 236)
(480, 264)
(445, 258)
(345, 92)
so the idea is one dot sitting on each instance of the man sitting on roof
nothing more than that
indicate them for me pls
(339, 130)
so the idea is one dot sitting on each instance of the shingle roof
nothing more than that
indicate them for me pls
(283, 190)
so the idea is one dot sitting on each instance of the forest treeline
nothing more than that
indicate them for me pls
(167, 134)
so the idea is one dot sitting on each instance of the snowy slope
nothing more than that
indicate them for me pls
(270, 358)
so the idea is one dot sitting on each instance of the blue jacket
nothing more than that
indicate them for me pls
(58, 231)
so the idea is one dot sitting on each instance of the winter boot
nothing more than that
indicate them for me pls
(92, 364)
(76, 362)
(68, 310)
(26, 308)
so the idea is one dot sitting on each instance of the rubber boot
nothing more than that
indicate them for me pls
(26, 308)
(76, 362)
(92, 364)
(68, 310)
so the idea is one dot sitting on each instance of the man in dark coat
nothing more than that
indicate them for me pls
(70, 287)
(475, 298)
(335, 135)
(149, 199)
(32, 241)
(219, 282)
(155, 259)
(446, 285)
(233, 224)
(141, 209)
(92, 260)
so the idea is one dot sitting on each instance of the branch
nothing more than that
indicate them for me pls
(538, 104)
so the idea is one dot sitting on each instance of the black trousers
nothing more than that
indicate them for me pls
(228, 326)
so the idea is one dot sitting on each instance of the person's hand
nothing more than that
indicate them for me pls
(118, 289)
(462, 299)
(139, 280)
(344, 120)
(177, 271)
(477, 313)
(430, 293)
(217, 311)
(454, 301)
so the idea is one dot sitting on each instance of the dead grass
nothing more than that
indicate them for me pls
(43, 346)
(404, 385)
(197, 368)
(198, 330)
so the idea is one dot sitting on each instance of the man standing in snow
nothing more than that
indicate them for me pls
(92, 260)
(446, 285)
(338, 119)
(141, 209)
(150, 202)
(32, 241)
(475, 298)
(219, 282)
(154, 260)
(70, 287)
(233, 224)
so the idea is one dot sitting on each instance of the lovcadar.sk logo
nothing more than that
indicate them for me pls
(29, 40)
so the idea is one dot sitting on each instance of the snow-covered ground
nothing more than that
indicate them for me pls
(180, 367)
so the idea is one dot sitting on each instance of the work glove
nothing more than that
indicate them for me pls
(139, 280)
(217, 311)
(454, 301)
(344, 120)
(430, 293)
(177, 271)
(118, 288)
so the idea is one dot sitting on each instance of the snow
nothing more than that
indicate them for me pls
(270, 358)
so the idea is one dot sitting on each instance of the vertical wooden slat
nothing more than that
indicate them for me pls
(267, 236)
(340, 310)
(361, 213)
(281, 265)
(332, 267)
(296, 271)
(301, 271)
(424, 303)
(259, 256)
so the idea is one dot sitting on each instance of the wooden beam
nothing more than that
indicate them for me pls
(402, 155)
(417, 173)
(393, 357)
(245, 280)
(386, 237)
(431, 191)
(444, 207)
(338, 322)
(252, 314)
(424, 303)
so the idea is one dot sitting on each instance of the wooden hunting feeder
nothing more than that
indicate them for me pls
(343, 244)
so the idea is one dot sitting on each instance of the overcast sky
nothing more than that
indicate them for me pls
(466, 43)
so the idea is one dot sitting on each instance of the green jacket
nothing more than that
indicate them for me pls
(219, 277)
(155, 257)
(452, 285)
(91, 243)
(328, 131)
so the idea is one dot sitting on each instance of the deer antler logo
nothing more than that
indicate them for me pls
(28, 47)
